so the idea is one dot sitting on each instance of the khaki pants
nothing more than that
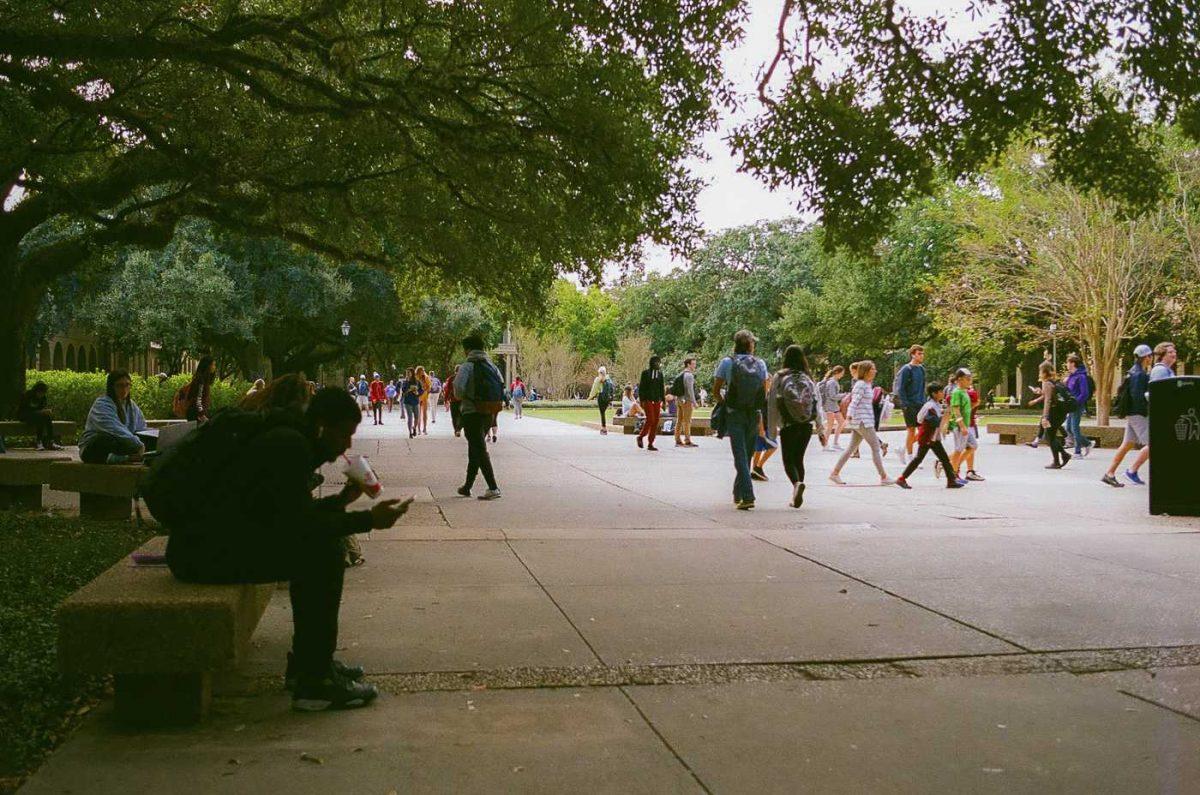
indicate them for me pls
(683, 419)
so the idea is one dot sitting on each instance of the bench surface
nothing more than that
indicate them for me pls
(141, 620)
(1020, 432)
(28, 467)
(109, 480)
(62, 427)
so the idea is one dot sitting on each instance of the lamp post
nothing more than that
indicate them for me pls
(1054, 345)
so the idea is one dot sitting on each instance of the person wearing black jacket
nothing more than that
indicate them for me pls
(34, 412)
(271, 529)
(652, 391)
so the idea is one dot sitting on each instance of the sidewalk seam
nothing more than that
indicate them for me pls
(554, 601)
(666, 744)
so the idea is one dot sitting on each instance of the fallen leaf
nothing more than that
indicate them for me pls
(316, 760)
(234, 762)
(843, 591)
(518, 769)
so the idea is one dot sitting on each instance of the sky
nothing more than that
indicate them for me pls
(730, 198)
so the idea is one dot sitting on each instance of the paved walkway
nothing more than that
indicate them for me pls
(613, 624)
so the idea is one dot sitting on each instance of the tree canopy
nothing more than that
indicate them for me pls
(866, 105)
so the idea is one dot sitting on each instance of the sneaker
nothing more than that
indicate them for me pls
(1112, 481)
(116, 458)
(902, 483)
(745, 505)
(1066, 458)
(886, 482)
(354, 673)
(39, 447)
(652, 448)
(463, 491)
(1032, 445)
(835, 478)
(331, 692)
(691, 444)
(798, 495)
(973, 475)
(1054, 466)
(1133, 477)
(604, 431)
(883, 448)
(955, 484)
(960, 481)
(54, 446)
(641, 442)
(1087, 450)
(490, 494)
(757, 473)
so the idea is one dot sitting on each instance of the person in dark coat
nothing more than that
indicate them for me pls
(652, 391)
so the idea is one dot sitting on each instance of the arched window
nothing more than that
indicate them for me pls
(70, 357)
(92, 362)
(44, 356)
(58, 356)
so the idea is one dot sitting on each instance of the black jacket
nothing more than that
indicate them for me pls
(651, 386)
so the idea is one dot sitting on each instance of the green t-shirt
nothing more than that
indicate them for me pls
(962, 399)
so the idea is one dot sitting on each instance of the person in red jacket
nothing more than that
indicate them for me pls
(378, 397)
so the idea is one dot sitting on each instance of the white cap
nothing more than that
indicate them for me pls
(360, 375)
(375, 375)
(1143, 350)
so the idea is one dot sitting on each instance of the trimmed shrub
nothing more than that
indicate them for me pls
(71, 394)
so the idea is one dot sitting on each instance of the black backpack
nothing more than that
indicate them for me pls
(180, 487)
(1124, 401)
(1064, 401)
(745, 383)
(677, 388)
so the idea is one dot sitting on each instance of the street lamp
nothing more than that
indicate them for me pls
(345, 328)
(1054, 344)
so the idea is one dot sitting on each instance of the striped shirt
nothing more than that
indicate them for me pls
(861, 408)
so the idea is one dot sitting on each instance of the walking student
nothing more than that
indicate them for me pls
(685, 402)
(602, 392)
(363, 393)
(453, 403)
(435, 394)
(199, 391)
(861, 418)
(519, 394)
(412, 402)
(830, 399)
(794, 407)
(910, 396)
(423, 404)
(766, 444)
(1080, 389)
(1056, 404)
(1133, 404)
(931, 425)
(961, 415)
(378, 395)
(1164, 367)
(480, 388)
(652, 391)
(739, 389)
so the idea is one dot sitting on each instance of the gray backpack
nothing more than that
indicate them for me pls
(796, 398)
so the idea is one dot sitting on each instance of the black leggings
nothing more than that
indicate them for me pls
(1054, 435)
(940, 452)
(602, 404)
(102, 444)
(377, 412)
(793, 441)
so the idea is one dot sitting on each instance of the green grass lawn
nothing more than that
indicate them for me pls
(44, 559)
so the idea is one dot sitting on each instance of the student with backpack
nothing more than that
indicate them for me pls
(738, 389)
(1078, 383)
(411, 398)
(1057, 403)
(652, 392)
(193, 402)
(603, 393)
(519, 393)
(830, 393)
(237, 498)
(480, 388)
(794, 407)
(684, 390)
(931, 427)
(1134, 406)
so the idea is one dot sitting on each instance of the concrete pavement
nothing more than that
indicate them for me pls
(613, 624)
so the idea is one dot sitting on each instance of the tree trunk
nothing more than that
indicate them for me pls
(15, 323)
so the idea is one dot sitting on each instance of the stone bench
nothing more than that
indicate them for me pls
(161, 639)
(160, 424)
(701, 426)
(1022, 433)
(63, 429)
(22, 473)
(105, 490)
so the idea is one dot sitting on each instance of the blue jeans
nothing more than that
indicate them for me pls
(1076, 431)
(742, 427)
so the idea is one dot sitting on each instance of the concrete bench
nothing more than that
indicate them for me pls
(22, 473)
(1022, 433)
(63, 429)
(160, 424)
(161, 639)
(105, 490)
(700, 425)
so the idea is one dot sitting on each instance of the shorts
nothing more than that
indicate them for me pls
(964, 439)
(1137, 429)
(761, 445)
(910, 416)
(363, 402)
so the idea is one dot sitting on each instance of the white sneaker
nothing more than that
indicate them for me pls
(833, 476)
(490, 494)
(886, 482)
(837, 448)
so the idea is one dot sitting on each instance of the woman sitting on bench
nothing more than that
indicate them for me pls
(110, 435)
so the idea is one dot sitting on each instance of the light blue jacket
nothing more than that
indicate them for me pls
(104, 419)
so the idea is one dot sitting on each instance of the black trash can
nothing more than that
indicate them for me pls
(1175, 446)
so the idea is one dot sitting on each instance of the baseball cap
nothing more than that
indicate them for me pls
(1143, 350)
(962, 371)
(376, 375)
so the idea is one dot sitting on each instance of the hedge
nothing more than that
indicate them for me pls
(71, 394)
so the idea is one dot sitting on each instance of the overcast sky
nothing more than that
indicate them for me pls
(734, 199)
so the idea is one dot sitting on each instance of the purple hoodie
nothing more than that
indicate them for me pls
(1077, 385)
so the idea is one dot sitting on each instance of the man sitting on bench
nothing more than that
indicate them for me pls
(260, 523)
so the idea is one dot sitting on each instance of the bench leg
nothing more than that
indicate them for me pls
(162, 699)
(1008, 438)
(102, 506)
(28, 497)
